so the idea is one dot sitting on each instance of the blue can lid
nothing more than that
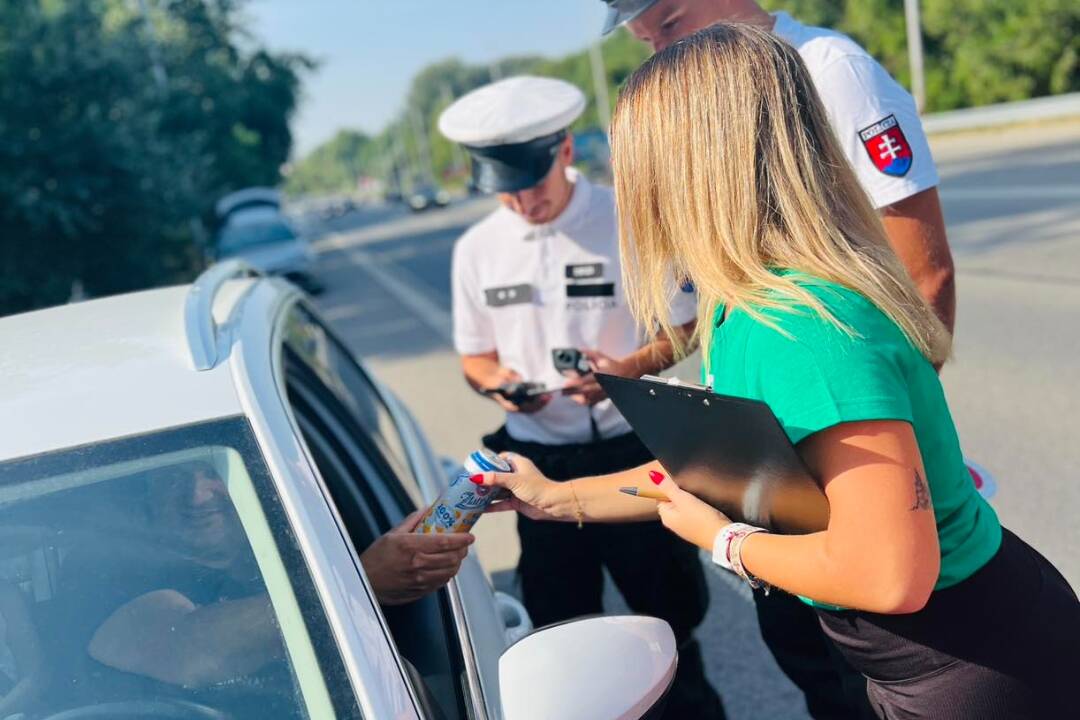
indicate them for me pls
(489, 461)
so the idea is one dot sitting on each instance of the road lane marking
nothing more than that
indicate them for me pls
(1027, 192)
(405, 287)
(344, 312)
(462, 215)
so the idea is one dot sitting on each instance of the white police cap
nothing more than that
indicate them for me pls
(510, 111)
(513, 129)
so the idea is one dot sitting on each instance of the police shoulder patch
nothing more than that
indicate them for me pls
(888, 148)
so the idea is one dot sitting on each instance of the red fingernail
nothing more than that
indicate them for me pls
(656, 477)
(478, 479)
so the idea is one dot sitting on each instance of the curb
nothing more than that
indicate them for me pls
(1054, 107)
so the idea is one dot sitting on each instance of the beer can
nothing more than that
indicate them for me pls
(463, 502)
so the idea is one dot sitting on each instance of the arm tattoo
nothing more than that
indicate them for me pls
(922, 494)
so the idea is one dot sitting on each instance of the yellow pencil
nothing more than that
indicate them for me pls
(643, 493)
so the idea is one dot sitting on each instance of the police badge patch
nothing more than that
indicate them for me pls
(888, 148)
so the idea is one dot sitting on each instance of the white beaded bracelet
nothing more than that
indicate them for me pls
(727, 550)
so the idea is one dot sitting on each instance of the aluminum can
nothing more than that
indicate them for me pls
(463, 502)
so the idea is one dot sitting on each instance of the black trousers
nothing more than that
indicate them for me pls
(658, 574)
(1005, 643)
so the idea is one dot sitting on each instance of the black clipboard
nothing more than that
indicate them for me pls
(729, 451)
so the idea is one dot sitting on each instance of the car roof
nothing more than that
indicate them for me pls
(253, 216)
(108, 368)
(248, 196)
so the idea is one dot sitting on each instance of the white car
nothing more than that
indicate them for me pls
(214, 448)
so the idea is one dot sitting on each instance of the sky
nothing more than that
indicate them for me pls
(369, 50)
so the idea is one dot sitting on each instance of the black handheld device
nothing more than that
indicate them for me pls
(570, 359)
(519, 392)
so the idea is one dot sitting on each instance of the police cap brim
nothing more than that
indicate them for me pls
(622, 11)
(511, 168)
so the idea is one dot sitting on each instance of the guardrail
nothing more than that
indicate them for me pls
(1055, 107)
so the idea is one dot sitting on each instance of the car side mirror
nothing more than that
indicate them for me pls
(600, 668)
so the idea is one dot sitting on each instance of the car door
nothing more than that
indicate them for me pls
(338, 406)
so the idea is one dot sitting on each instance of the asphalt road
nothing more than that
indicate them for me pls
(1012, 205)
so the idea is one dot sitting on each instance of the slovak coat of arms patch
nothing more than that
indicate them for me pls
(888, 148)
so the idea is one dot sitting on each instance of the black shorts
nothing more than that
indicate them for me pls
(1005, 643)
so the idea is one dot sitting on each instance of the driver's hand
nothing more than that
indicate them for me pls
(403, 566)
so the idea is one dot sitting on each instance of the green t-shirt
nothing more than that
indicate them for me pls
(820, 377)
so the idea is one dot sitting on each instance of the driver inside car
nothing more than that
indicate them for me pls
(195, 612)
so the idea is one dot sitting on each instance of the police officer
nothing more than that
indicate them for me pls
(874, 118)
(541, 274)
(879, 130)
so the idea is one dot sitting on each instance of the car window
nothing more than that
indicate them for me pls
(327, 357)
(370, 502)
(160, 568)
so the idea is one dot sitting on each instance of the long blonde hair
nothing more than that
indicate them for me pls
(726, 169)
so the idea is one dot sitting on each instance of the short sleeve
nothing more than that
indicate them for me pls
(878, 127)
(821, 377)
(473, 330)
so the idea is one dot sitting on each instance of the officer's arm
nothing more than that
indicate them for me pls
(483, 371)
(916, 231)
(656, 356)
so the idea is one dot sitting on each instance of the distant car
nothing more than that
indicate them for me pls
(207, 464)
(426, 196)
(340, 206)
(263, 238)
(592, 153)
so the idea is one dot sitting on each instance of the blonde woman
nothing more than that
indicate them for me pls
(727, 174)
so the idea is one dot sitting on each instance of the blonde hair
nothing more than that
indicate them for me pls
(726, 169)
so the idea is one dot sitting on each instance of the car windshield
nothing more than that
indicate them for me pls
(156, 576)
(235, 237)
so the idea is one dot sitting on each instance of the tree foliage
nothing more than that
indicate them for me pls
(396, 155)
(334, 165)
(120, 132)
(977, 52)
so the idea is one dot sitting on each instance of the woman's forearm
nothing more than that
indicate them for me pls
(657, 356)
(809, 565)
(599, 499)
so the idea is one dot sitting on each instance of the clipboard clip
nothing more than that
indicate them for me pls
(675, 382)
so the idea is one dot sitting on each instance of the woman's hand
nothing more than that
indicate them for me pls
(691, 519)
(532, 494)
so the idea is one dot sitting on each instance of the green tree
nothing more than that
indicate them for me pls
(104, 171)
(395, 153)
(977, 52)
(334, 166)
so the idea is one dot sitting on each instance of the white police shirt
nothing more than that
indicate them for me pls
(873, 117)
(523, 290)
